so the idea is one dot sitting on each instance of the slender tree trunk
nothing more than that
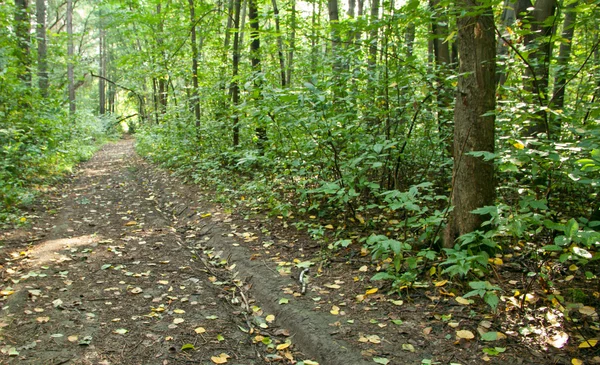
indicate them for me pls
(40, 10)
(261, 130)
(564, 54)
(195, 101)
(473, 178)
(22, 28)
(409, 39)
(538, 40)
(334, 19)
(507, 20)
(290, 68)
(373, 34)
(234, 87)
(439, 30)
(279, 44)
(163, 87)
(102, 68)
(70, 55)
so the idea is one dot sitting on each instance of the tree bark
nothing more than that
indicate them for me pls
(507, 20)
(195, 101)
(409, 38)
(22, 28)
(473, 178)
(290, 68)
(102, 68)
(373, 34)
(279, 44)
(40, 12)
(234, 87)
(70, 61)
(261, 130)
(538, 41)
(564, 54)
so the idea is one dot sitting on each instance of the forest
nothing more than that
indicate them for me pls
(444, 140)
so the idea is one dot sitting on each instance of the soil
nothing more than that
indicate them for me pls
(126, 264)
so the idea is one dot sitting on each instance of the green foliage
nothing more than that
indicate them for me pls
(485, 290)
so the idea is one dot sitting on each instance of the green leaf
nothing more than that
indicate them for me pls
(490, 336)
(381, 360)
(284, 301)
(187, 346)
(572, 228)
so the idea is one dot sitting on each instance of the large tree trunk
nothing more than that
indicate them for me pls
(195, 101)
(70, 55)
(473, 178)
(40, 11)
(22, 28)
(564, 54)
(234, 87)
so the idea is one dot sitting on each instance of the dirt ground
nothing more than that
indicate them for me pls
(125, 264)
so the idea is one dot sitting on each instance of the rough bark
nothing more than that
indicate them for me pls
(261, 130)
(40, 12)
(473, 178)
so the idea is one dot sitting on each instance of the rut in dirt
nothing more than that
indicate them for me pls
(102, 277)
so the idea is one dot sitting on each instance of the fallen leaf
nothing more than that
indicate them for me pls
(73, 338)
(371, 291)
(121, 331)
(42, 319)
(187, 346)
(283, 346)
(363, 268)
(200, 330)
(465, 334)
(335, 310)
(427, 330)
(136, 290)
(178, 320)
(131, 223)
(381, 360)
(270, 318)
(179, 311)
(576, 362)
(463, 301)
(589, 311)
(221, 359)
(283, 301)
(310, 362)
(588, 344)
(440, 283)
(408, 347)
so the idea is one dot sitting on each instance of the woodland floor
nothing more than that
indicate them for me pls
(124, 264)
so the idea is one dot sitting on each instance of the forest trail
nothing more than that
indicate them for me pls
(104, 277)
(125, 264)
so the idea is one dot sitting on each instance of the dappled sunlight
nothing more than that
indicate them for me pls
(55, 250)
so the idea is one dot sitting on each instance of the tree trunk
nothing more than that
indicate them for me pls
(279, 44)
(373, 34)
(538, 40)
(334, 19)
(70, 61)
(409, 38)
(22, 28)
(40, 12)
(290, 69)
(261, 130)
(195, 101)
(439, 30)
(473, 178)
(234, 87)
(507, 20)
(102, 68)
(564, 54)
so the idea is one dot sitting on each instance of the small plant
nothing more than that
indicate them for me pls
(485, 290)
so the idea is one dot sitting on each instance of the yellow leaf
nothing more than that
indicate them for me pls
(73, 338)
(221, 359)
(163, 282)
(360, 219)
(335, 310)
(179, 311)
(519, 145)
(432, 271)
(440, 283)
(466, 334)
(587, 310)
(200, 330)
(7, 292)
(363, 268)
(270, 318)
(374, 339)
(462, 301)
(283, 346)
(371, 291)
(206, 215)
(329, 226)
(573, 268)
(178, 320)
(42, 319)
(310, 362)
(587, 344)
(576, 362)
(131, 223)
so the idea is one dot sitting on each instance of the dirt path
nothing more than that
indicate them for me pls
(104, 278)
(125, 264)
